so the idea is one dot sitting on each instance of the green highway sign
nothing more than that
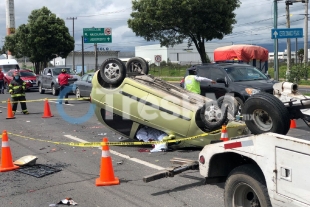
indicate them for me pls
(97, 35)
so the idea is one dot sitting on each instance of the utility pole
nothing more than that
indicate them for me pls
(83, 72)
(288, 40)
(96, 57)
(306, 35)
(275, 25)
(73, 56)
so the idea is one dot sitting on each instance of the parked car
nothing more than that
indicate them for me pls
(126, 103)
(26, 75)
(83, 87)
(48, 80)
(241, 80)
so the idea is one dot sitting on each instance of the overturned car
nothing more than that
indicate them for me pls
(128, 99)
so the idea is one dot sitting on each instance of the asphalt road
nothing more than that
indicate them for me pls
(81, 166)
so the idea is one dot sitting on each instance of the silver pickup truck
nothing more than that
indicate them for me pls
(48, 79)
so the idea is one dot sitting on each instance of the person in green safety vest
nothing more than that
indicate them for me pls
(17, 90)
(192, 83)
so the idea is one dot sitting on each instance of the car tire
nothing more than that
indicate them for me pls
(264, 112)
(232, 104)
(113, 71)
(41, 90)
(77, 93)
(213, 119)
(137, 65)
(246, 186)
(55, 92)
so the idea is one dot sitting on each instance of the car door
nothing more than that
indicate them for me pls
(88, 85)
(49, 78)
(219, 89)
(81, 85)
(205, 89)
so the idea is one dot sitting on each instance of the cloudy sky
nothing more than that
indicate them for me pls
(254, 20)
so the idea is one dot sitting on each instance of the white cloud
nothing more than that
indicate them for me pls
(254, 19)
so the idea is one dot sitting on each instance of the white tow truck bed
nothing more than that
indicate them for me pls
(284, 162)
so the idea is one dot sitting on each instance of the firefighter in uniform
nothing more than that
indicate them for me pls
(63, 80)
(17, 90)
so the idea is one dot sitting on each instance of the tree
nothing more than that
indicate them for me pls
(44, 37)
(173, 21)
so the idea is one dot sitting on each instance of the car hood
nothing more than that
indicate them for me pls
(29, 78)
(257, 84)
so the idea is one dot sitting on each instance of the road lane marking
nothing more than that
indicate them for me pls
(62, 103)
(121, 155)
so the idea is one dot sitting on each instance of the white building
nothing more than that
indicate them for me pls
(89, 59)
(178, 54)
(283, 55)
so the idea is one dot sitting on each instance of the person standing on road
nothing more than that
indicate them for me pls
(192, 83)
(1, 81)
(17, 89)
(63, 80)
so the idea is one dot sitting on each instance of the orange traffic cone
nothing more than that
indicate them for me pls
(106, 170)
(10, 112)
(293, 124)
(224, 134)
(47, 110)
(6, 155)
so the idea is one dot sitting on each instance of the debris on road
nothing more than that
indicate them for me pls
(26, 160)
(38, 170)
(119, 163)
(67, 201)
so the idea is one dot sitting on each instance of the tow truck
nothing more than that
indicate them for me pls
(259, 170)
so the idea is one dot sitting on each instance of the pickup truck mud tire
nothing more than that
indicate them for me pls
(41, 90)
(213, 116)
(264, 112)
(137, 65)
(231, 103)
(113, 71)
(246, 186)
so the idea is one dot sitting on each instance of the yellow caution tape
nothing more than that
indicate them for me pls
(38, 100)
(97, 144)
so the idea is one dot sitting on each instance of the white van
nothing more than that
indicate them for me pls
(8, 64)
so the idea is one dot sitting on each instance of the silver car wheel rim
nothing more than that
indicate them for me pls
(40, 88)
(53, 90)
(213, 113)
(112, 71)
(77, 92)
(262, 120)
(244, 195)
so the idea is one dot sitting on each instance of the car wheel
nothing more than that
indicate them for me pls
(41, 90)
(54, 90)
(77, 93)
(137, 65)
(232, 105)
(245, 186)
(213, 116)
(113, 71)
(264, 112)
